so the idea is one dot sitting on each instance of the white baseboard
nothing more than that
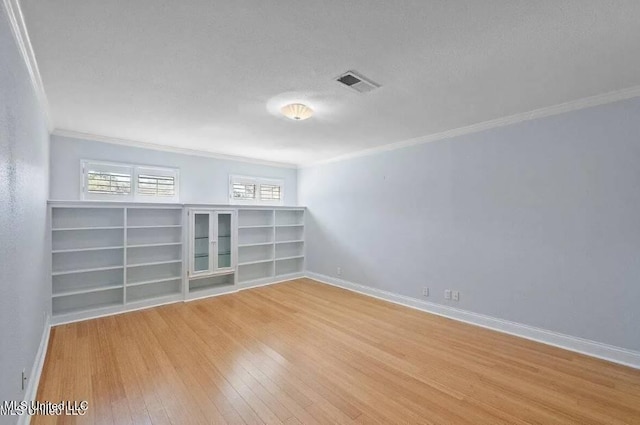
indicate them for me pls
(580, 345)
(36, 371)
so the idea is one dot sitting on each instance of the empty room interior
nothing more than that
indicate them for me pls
(320, 212)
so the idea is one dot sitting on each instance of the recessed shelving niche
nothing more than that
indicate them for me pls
(87, 218)
(83, 302)
(219, 281)
(255, 271)
(289, 249)
(154, 217)
(289, 233)
(153, 235)
(254, 217)
(289, 217)
(87, 282)
(153, 290)
(289, 266)
(251, 253)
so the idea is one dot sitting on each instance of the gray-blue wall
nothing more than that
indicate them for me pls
(203, 180)
(25, 283)
(537, 222)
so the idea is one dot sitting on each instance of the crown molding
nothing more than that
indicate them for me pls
(21, 35)
(562, 108)
(173, 149)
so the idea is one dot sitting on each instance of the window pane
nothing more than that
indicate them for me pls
(156, 185)
(269, 192)
(108, 183)
(244, 191)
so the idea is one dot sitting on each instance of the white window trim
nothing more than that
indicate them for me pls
(135, 170)
(257, 181)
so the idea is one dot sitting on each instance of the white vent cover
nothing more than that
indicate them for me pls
(357, 82)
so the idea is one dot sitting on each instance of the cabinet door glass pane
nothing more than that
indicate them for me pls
(201, 243)
(224, 241)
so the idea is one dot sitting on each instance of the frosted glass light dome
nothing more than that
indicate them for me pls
(296, 111)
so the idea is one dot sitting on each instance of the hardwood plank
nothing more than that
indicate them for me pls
(301, 352)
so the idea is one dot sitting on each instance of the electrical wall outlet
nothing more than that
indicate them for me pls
(447, 294)
(425, 292)
(455, 295)
(339, 271)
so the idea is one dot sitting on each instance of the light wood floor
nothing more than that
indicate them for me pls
(306, 353)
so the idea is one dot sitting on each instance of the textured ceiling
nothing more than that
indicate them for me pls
(210, 75)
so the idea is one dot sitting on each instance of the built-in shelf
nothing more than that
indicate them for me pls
(164, 226)
(149, 282)
(99, 248)
(289, 265)
(154, 263)
(155, 299)
(86, 291)
(246, 245)
(94, 308)
(289, 217)
(194, 289)
(154, 244)
(252, 281)
(259, 226)
(293, 257)
(248, 263)
(95, 269)
(211, 282)
(292, 241)
(197, 288)
(67, 229)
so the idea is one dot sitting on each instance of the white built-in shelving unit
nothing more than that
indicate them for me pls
(105, 258)
(110, 257)
(270, 244)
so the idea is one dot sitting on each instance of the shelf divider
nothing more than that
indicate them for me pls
(86, 291)
(76, 271)
(98, 248)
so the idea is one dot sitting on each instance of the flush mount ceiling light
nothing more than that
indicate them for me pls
(296, 111)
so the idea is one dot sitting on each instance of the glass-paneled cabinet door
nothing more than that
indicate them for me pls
(224, 258)
(201, 258)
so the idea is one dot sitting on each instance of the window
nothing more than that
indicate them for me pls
(269, 192)
(126, 182)
(255, 190)
(156, 185)
(108, 183)
(160, 184)
(244, 191)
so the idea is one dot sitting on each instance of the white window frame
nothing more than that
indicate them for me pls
(134, 170)
(258, 181)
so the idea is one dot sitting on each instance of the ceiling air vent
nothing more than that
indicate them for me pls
(357, 82)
